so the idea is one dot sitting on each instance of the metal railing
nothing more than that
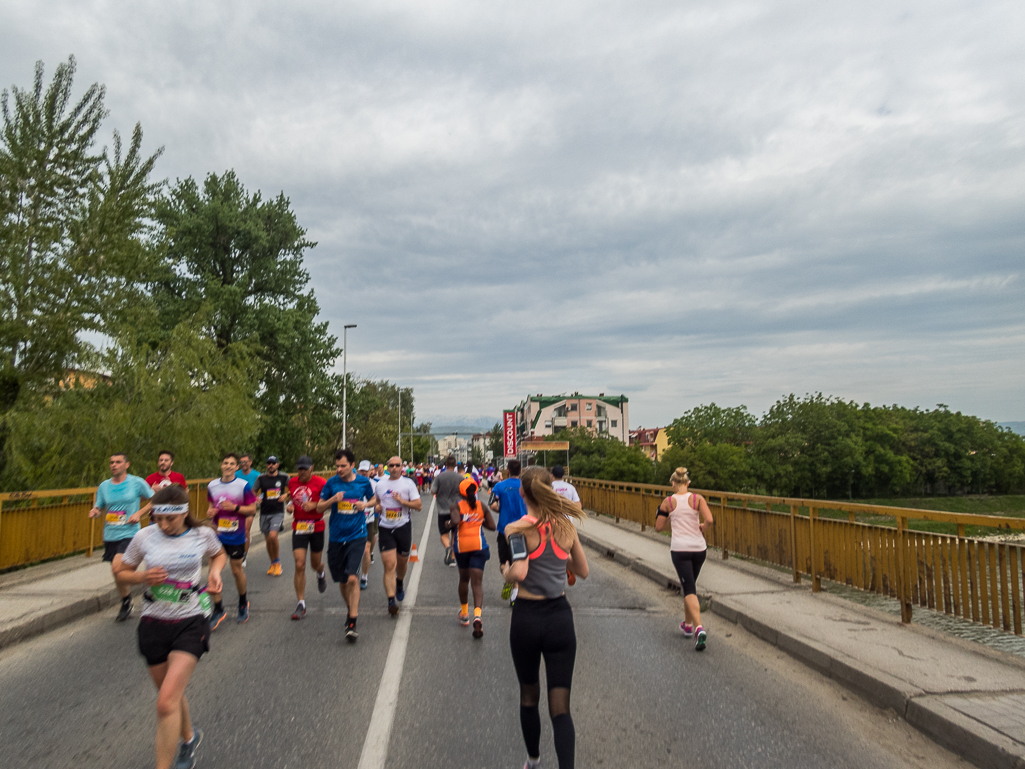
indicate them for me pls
(968, 577)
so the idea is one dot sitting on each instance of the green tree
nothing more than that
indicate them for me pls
(495, 441)
(713, 466)
(602, 457)
(713, 424)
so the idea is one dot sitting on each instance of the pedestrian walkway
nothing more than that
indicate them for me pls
(968, 698)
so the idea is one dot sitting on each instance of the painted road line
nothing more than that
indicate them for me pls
(375, 746)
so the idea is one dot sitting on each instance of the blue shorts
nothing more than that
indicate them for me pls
(474, 559)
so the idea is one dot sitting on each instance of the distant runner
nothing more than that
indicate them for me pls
(468, 518)
(446, 493)
(563, 488)
(271, 490)
(232, 502)
(165, 476)
(372, 528)
(398, 495)
(307, 530)
(249, 475)
(508, 503)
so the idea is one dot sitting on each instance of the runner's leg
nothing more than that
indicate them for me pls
(173, 720)
(350, 593)
(401, 565)
(476, 577)
(464, 587)
(300, 572)
(124, 590)
(388, 560)
(273, 546)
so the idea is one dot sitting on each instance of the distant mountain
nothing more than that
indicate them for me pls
(1018, 427)
(475, 424)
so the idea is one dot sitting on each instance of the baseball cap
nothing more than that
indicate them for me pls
(272, 460)
(364, 465)
(304, 463)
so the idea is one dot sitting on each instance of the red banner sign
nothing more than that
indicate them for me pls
(509, 433)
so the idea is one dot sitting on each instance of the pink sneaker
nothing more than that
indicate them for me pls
(688, 630)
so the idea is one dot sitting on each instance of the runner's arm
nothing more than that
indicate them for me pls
(706, 514)
(453, 517)
(577, 559)
(489, 520)
(662, 517)
(129, 574)
(413, 504)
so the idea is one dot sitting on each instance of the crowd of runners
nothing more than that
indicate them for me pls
(539, 552)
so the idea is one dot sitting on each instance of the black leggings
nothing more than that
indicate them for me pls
(545, 628)
(688, 566)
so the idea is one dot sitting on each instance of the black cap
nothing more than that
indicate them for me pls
(304, 463)
(272, 460)
(558, 471)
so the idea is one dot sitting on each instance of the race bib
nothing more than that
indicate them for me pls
(273, 493)
(345, 506)
(117, 519)
(391, 513)
(305, 527)
(227, 525)
(172, 592)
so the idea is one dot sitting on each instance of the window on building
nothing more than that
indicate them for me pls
(548, 424)
(615, 422)
(572, 407)
(589, 406)
(601, 411)
(590, 423)
(573, 423)
(601, 425)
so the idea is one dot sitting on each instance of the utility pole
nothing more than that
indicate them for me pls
(345, 383)
(399, 442)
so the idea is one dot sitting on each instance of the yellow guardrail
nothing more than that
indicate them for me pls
(968, 577)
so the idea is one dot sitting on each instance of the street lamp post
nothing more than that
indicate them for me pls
(345, 383)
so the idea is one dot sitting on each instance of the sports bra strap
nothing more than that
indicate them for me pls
(545, 530)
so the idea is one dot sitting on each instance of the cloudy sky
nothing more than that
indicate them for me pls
(681, 202)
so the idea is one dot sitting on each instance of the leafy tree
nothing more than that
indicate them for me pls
(713, 424)
(714, 466)
(602, 457)
(495, 442)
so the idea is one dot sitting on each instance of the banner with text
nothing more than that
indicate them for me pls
(509, 433)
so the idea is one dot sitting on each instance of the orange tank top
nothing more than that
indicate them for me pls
(469, 537)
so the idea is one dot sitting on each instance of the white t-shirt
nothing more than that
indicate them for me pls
(394, 514)
(182, 558)
(566, 490)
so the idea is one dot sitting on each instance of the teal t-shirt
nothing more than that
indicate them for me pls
(249, 477)
(118, 501)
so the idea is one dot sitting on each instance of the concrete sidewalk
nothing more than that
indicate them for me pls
(966, 697)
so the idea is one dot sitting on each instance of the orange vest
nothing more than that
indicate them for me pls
(469, 537)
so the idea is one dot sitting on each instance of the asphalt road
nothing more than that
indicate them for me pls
(278, 693)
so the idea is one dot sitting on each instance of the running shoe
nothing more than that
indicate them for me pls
(702, 639)
(270, 571)
(321, 583)
(371, 556)
(506, 591)
(512, 596)
(217, 618)
(478, 627)
(464, 619)
(401, 594)
(350, 633)
(688, 630)
(277, 569)
(300, 611)
(125, 612)
(186, 758)
(363, 583)
(243, 614)
(393, 607)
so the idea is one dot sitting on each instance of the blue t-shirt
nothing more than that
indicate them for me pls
(511, 506)
(347, 525)
(249, 478)
(118, 501)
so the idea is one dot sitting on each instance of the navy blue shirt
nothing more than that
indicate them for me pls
(347, 524)
(511, 506)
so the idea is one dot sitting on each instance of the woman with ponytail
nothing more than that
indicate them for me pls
(689, 517)
(542, 620)
(468, 517)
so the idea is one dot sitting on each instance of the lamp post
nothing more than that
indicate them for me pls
(345, 383)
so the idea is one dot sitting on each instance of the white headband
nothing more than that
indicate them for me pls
(170, 509)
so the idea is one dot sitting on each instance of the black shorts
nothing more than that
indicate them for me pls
(159, 637)
(473, 560)
(443, 524)
(344, 558)
(314, 541)
(235, 552)
(504, 551)
(688, 566)
(400, 538)
(110, 549)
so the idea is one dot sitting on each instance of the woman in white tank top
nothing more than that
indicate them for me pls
(688, 516)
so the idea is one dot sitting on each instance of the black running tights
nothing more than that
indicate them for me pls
(545, 628)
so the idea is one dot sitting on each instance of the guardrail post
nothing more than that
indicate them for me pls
(816, 580)
(793, 543)
(903, 589)
(92, 538)
(725, 528)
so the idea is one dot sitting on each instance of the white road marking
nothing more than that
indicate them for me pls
(375, 746)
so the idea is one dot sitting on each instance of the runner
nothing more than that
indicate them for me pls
(508, 503)
(164, 475)
(542, 620)
(119, 498)
(174, 632)
(271, 491)
(249, 475)
(307, 530)
(371, 515)
(472, 552)
(398, 495)
(232, 502)
(446, 493)
(564, 488)
(348, 495)
(689, 517)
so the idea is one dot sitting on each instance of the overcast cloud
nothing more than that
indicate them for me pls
(681, 202)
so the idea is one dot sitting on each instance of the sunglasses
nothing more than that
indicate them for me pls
(393, 464)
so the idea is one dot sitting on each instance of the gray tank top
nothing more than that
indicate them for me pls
(546, 574)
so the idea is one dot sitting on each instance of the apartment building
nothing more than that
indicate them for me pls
(653, 441)
(541, 415)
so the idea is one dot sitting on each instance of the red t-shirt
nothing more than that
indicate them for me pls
(157, 481)
(305, 492)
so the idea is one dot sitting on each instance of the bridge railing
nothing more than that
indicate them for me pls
(974, 578)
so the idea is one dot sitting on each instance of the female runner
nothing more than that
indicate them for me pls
(468, 518)
(542, 620)
(173, 631)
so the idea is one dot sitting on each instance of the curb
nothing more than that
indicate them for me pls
(959, 734)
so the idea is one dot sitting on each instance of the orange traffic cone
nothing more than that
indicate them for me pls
(413, 557)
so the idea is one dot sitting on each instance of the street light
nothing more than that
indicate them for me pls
(345, 383)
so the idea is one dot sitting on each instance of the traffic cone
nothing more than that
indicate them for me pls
(413, 557)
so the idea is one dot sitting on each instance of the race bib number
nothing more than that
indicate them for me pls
(227, 525)
(273, 493)
(172, 592)
(345, 506)
(305, 527)
(117, 519)
(391, 513)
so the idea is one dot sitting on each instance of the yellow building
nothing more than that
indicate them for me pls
(653, 441)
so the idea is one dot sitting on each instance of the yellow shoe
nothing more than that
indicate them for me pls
(270, 571)
(277, 569)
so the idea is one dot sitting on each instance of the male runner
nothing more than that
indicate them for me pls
(371, 514)
(563, 487)
(307, 529)
(446, 493)
(165, 476)
(232, 502)
(119, 497)
(249, 475)
(271, 491)
(510, 507)
(348, 495)
(398, 495)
